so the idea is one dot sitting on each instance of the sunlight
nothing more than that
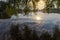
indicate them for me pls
(41, 5)
(38, 18)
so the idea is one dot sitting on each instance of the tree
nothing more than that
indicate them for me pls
(26, 8)
(58, 3)
(12, 7)
(34, 4)
(11, 10)
(3, 14)
(49, 5)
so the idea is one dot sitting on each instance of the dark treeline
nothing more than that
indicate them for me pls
(28, 34)
(13, 7)
(3, 14)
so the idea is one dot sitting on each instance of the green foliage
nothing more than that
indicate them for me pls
(3, 14)
(49, 5)
(58, 3)
(12, 6)
(11, 10)
(26, 10)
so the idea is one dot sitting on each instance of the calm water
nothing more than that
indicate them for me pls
(39, 22)
(53, 17)
(39, 18)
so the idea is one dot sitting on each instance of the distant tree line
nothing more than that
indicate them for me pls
(11, 7)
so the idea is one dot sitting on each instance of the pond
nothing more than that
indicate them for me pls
(38, 21)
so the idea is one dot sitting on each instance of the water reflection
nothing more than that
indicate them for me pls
(53, 17)
(44, 19)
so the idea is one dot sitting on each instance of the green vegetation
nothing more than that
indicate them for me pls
(11, 7)
(50, 5)
(58, 3)
(3, 14)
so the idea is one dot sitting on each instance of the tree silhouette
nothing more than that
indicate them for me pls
(3, 14)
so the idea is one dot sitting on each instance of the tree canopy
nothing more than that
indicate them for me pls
(12, 6)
